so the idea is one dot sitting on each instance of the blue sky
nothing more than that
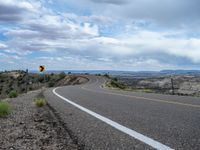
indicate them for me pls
(100, 34)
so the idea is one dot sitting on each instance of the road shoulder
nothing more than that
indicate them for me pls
(29, 127)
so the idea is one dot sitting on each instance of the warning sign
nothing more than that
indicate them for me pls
(41, 68)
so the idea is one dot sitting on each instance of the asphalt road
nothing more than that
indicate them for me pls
(109, 120)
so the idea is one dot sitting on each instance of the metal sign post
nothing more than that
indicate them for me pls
(172, 83)
(26, 76)
(42, 70)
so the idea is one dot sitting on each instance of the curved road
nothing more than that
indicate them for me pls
(109, 119)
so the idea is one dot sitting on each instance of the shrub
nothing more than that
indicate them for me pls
(115, 79)
(13, 94)
(23, 89)
(47, 78)
(5, 109)
(39, 102)
(30, 88)
(117, 84)
(51, 84)
(147, 90)
(106, 75)
(41, 78)
(62, 75)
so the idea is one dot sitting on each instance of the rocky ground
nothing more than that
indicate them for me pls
(183, 84)
(31, 128)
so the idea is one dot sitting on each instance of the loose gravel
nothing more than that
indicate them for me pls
(31, 128)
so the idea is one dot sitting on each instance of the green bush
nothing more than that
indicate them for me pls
(30, 88)
(62, 75)
(39, 102)
(106, 75)
(117, 84)
(13, 94)
(41, 78)
(51, 84)
(115, 79)
(5, 109)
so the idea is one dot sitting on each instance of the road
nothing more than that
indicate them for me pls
(107, 119)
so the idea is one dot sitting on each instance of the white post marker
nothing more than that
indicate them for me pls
(132, 133)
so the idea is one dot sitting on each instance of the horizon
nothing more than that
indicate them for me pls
(91, 70)
(100, 35)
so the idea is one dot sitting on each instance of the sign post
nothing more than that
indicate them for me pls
(172, 84)
(41, 70)
(26, 80)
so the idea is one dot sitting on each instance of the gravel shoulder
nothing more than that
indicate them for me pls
(31, 128)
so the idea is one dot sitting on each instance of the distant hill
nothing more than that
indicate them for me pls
(180, 72)
(126, 73)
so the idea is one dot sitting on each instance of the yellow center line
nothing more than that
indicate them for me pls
(144, 98)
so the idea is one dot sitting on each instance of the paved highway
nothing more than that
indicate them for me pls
(109, 120)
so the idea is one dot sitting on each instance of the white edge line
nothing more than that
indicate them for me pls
(132, 133)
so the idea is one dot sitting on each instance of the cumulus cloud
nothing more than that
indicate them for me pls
(13, 11)
(168, 13)
(132, 37)
(2, 46)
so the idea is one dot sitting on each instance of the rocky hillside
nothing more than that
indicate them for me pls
(17, 80)
(183, 84)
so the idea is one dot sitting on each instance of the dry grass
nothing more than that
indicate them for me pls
(40, 102)
(5, 109)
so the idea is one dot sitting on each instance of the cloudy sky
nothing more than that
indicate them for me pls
(100, 34)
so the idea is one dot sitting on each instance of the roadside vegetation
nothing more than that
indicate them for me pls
(114, 83)
(40, 102)
(13, 83)
(5, 108)
(13, 94)
(62, 75)
(106, 75)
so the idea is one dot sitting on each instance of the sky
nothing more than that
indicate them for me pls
(130, 35)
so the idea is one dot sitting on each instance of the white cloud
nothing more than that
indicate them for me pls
(2, 46)
(90, 30)
(75, 39)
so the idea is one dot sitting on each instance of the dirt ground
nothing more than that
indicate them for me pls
(31, 128)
